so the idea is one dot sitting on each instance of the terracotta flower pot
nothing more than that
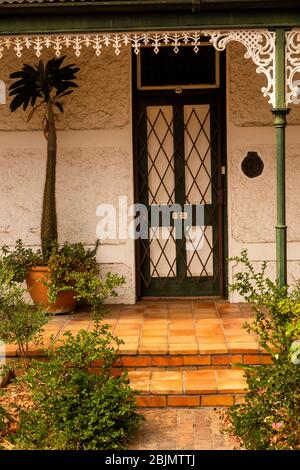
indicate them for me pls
(65, 302)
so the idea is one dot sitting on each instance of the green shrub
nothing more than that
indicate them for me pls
(76, 406)
(20, 323)
(269, 416)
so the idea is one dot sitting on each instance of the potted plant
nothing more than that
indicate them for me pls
(71, 267)
(57, 276)
(44, 86)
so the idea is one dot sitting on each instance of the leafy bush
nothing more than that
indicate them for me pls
(269, 416)
(78, 406)
(20, 323)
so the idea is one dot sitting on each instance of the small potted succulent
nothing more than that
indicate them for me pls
(57, 276)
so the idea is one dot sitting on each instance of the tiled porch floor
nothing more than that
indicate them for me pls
(170, 328)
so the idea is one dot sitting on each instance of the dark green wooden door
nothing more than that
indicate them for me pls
(179, 180)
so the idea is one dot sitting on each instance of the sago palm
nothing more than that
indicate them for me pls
(45, 86)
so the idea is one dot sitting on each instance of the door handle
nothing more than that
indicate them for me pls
(179, 215)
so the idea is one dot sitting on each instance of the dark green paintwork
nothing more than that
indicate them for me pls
(79, 20)
(280, 113)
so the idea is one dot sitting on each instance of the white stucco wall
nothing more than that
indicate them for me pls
(95, 163)
(252, 201)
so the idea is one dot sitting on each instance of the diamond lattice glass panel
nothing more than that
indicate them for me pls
(197, 147)
(160, 154)
(162, 252)
(199, 254)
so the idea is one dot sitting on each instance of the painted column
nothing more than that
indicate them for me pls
(280, 112)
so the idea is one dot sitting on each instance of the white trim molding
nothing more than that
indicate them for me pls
(292, 55)
(259, 43)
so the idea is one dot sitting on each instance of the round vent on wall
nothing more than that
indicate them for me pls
(252, 165)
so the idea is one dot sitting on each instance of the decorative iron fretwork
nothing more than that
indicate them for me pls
(260, 45)
(292, 66)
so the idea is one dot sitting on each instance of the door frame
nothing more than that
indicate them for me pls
(221, 91)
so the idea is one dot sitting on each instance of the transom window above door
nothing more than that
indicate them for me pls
(182, 70)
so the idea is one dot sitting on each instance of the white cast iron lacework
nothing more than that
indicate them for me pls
(260, 45)
(292, 65)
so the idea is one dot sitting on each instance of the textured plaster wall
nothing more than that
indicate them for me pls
(252, 202)
(95, 163)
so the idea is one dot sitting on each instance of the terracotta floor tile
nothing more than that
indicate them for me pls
(156, 305)
(140, 375)
(179, 303)
(180, 315)
(183, 348)
(231, 315)
(155, 315)
(166, 375)
(158, 334)
(140, 380)
(130, 324)
(163, 330)
(241, 338)
(209, 332)
(242, 347)
(207, 321)
(200, 387)
(154, 349)
(199, 375)
(202, 315)
(132, 307)
(76, 326)
(124, 332)
(213, 348)
(232, 386)
(200, 382)
(228, 307)
(154, 340)
(129, 339)
(155, 322)
(131, 316)
(203, 339)
(230, 374)
(204, 305)
(169, 387)
(156, 309)
(128, 327)
(179, 323)
(174, 330)
(235, 332)
(232, 322)
(128, 348)
(181, 339)
(110, 322)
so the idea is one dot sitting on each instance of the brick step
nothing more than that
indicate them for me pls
(188, 388)
(201, 361)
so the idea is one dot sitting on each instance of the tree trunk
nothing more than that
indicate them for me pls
(49, 217)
